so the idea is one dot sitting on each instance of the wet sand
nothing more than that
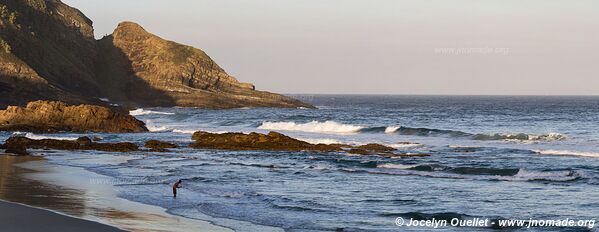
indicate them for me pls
(17, 217)
(32, 181)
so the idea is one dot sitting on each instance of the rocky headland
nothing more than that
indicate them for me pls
(48, 52)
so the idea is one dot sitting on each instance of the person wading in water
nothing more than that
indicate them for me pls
(175, 187)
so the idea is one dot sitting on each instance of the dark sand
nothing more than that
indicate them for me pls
(87, 205)
(17, 217)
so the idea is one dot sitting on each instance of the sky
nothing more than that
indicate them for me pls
(462, 47)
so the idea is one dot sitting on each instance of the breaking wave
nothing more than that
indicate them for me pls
(521, 136)
(141, 111)
(321, 141)
(332, 127)
(39, 137)
(313, 126)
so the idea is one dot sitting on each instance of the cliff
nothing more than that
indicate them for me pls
(48, 52)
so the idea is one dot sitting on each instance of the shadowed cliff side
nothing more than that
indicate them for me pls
(132, 61)
(48, 52)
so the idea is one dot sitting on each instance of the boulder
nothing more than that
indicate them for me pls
(272, 141)
(18, 144)
(159, 146)
(47, 116)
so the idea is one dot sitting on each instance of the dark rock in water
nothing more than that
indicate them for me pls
(159, 146)
(44, 116)
(359, 151)
(17, 144)
(376, 147)
(272, 141)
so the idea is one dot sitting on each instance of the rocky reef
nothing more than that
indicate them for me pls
(19, 145)
(48, 52)
(46, 116)
(274, 141)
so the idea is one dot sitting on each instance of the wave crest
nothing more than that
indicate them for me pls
(141, 111)
(313, 127)
(520, 136)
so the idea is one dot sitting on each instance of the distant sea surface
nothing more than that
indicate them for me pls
(491, 157)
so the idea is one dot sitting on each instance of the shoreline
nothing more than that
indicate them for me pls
(67, 193)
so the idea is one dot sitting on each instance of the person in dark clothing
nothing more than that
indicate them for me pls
(175, 187)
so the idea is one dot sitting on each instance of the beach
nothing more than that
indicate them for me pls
(37, 196)
(18, 217)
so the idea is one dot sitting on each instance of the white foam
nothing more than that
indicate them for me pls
(38, 137)
(184, 131)
(549, 137)
(321, 141)
(155, 128)
(391, 129)
(314, 127)
(527, 175)
(104, 99)
(405, 145)
(567, 153)
(396, 166)
(141, 111)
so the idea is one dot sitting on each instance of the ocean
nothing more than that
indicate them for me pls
(493, 157)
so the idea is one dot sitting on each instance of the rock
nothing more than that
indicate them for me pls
(18, 144)
(272, 141)
(376, 148)
(44, 116)
(159, 146)
(48, 52)
(358, 151)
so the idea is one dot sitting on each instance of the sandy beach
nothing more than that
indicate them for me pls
(17, 217)
(37, 196)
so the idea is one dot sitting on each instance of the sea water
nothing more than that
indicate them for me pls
(490, 157)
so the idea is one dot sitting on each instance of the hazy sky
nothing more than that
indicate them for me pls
(381, 46)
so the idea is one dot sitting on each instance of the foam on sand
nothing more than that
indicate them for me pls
(331, 127)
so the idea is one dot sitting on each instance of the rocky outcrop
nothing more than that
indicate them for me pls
(159, 146)
(48, 52)
(44, 116)
(19, 144)
(274, 141)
